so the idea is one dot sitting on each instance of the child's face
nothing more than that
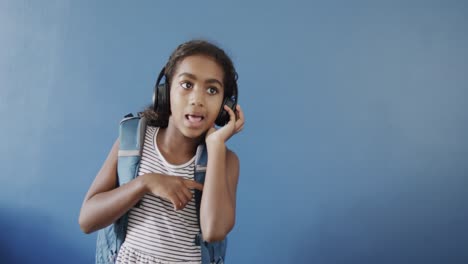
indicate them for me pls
(196, 95)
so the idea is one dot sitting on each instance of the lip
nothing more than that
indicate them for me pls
(191, 121)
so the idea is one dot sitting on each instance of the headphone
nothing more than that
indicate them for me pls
(161, 100)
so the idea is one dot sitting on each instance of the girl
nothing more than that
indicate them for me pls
(200, 77)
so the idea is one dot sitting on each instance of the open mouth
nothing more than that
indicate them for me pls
(194, 118)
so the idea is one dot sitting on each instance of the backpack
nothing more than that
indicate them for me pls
(109, 239)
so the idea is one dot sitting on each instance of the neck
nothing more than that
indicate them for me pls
(176, 148)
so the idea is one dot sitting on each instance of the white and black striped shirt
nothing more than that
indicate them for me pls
(155, 228)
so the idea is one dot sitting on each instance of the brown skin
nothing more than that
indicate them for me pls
(196, 89)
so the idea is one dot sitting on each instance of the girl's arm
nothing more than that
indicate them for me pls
(218, 206)
(103, 204)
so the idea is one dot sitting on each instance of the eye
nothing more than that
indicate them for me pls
(212, 90)
(186, 85)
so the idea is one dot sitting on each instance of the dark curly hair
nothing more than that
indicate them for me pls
(193, 47)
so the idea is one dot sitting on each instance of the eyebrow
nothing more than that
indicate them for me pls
(192, 76)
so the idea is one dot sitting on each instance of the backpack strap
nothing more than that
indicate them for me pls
(131, 138)
(131, 135)
(201, 160)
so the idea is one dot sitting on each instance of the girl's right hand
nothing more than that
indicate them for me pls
(175, 189)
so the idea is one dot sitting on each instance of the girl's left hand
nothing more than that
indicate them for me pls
(227, 131)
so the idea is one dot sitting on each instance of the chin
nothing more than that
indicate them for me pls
(193, 133)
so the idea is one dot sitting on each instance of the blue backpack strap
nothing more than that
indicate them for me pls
(131, 138)
(214, 252)
(201, 160)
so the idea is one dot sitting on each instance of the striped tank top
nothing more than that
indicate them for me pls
(156, 233)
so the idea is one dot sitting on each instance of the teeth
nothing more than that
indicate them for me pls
(192, 118)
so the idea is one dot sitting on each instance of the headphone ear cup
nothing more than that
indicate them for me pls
(163, 99)
(223, 116)
(161, 103)
(155, 98)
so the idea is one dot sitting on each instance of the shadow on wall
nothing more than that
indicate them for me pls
(30, 236)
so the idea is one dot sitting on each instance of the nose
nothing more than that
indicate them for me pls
(197, 97)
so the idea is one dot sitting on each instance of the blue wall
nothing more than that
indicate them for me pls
(355, 148)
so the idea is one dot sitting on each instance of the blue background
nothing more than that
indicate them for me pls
(355, 148)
